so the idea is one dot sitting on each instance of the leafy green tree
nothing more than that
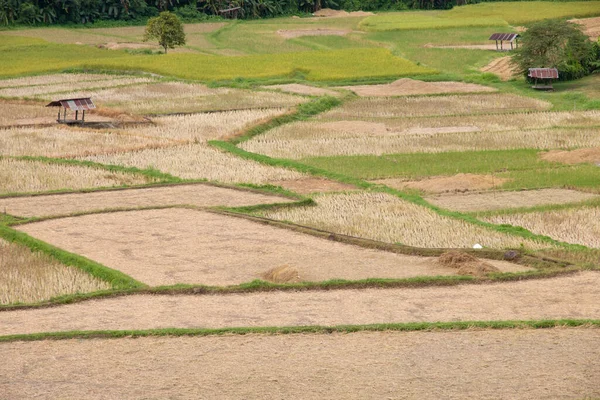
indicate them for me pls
(167, 29)
(556, 44)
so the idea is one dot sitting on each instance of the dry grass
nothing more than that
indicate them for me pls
(34, 176)
(575, 225)
(282, 274)
(466, 264)
(501, 200)
(52, 79)
(177, 97)
(202, 127)
(62, 141)
(27, 277)
(407, 87)
(275, 143)
(198, 161)
(44, 91)
(12, 112)
(401, 107)
(387, 218)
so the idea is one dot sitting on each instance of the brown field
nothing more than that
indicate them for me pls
(27, 277)
(591, 26)
(501, 67)
(329, 13)
(387, 218)
(34, 176)
(178, 97)
(303, 89)
(401, 107)
(199, 161)
(484, 364)
(573, 156)
(15, 112)
(503, 200)
(54, 79)
(197, 195)
(573, 296)
(170, 246)
(443, 184)
(407, 87)
(573, 225)
(65, 142)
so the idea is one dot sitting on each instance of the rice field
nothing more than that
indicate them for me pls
(572, 225)
(12, 112)
(384, 217)
(18, 176)
(54, 79)
(65, 142)
(276, 144)
(206, 126)
(199, 161)
(28, 277)
(421, 106)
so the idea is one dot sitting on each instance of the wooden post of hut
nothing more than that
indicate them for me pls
(506, 37)
(80, 104)
(545, 75)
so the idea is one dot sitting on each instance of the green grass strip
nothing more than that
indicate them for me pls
(117, 279)
(317, 329)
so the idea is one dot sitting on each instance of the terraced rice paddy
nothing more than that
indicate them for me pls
(389, 219)
(170, 246)
(34, 176)
(408, 87)
(572, 225)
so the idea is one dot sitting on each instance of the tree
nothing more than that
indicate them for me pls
(167, 29)
(556, 44)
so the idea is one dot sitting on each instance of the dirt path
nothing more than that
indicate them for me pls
(515, 364)
(574, 296)
(169, 246)
(197, 195)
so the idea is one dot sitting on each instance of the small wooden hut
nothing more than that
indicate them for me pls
(542, 77)
(500, 38)
(81, 104)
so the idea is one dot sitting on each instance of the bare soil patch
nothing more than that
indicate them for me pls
(442, 184)
(169, 246)
(573, 156)
(294, 33)
(406, 87)
(329, 13)
(484, 364)
(127, 45)
(196, 195)
(501, 67)
(573, 296)
(313, 185)
(303, 89)
(591, 26)
(502, 200)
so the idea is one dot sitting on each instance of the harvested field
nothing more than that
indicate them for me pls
(178, 97)
(34, 176)
(208, 126)
(68, 86)
(170, 246)
(313, 185)
(295, 33)
(591, 26)
(434, 105)
(573, 156)
(442, 184)
(573, 225)
(199, 161)
(62, 141)
(18, 112)
(53, 79)
(197, 195)
(389, 219)
(27, 277)
(567, 297)
(503, 200)
(329, 13)
(468, 46)
(407, 87)
(501, 67)
(466, 264)
(376, 365)
(303, 89)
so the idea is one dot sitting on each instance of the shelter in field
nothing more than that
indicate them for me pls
(231, 12)
(506, 37)
(542, 77)
(81, 104)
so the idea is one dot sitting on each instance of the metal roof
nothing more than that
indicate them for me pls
(543, 73)
(84, 103)
(505, 36)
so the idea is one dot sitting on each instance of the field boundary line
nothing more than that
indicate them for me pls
(316, 329)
